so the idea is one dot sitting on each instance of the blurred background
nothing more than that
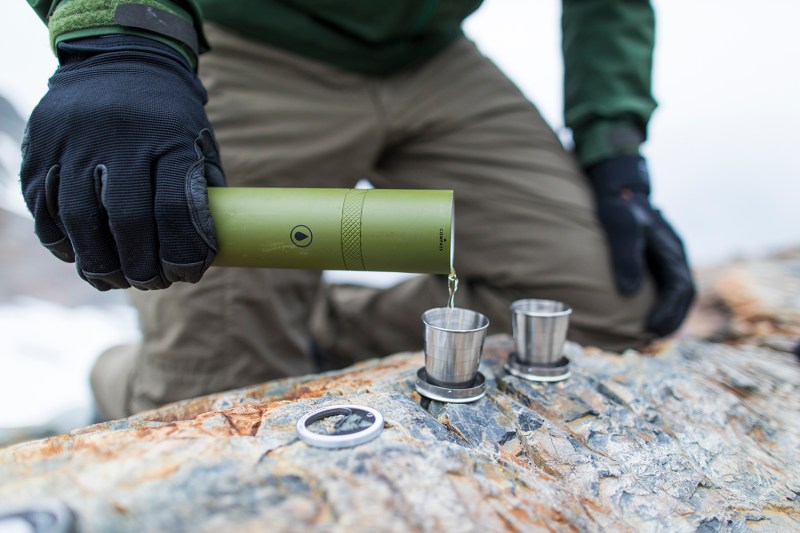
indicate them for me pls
(723, 155)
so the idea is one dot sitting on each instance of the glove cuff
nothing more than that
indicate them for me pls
(610, 177)
(604, 139)
(160, 20)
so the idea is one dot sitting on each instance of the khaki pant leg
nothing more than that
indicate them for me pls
(525, 217)
(280, 120)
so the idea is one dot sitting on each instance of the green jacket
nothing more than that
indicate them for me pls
(607, 46)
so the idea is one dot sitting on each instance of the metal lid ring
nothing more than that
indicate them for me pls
(343, 437)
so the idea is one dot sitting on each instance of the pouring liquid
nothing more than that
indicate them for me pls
(452, 287)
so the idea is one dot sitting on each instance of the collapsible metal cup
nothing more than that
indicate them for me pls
(540, 331)
(453, 346)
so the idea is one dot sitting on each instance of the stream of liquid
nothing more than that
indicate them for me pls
(452, 287)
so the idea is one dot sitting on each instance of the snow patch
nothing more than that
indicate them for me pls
(47, 352)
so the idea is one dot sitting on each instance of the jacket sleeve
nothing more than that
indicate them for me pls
(608, 59)
(42, 7)
(84, 18)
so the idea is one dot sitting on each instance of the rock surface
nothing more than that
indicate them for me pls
(697, 436)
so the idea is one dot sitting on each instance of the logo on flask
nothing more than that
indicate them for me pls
(301, 236)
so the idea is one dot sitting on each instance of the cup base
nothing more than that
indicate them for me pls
(450, 395)
(558, 371)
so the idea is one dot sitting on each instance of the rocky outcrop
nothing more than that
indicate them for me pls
(695, 436)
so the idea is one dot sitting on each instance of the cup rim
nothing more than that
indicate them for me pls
(439, 328)
(515, 308)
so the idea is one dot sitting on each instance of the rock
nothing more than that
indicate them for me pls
(697, 436)
(754, 301)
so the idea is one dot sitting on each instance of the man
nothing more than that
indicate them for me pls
(304, 93)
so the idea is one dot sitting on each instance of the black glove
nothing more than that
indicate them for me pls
(115, 163)
(640, 238)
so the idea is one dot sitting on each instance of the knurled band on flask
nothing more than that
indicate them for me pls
(351, 229)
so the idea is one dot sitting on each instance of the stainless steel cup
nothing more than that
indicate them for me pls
(540, 330)
(453, 345)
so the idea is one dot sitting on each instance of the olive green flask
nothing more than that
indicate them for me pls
(334, 229)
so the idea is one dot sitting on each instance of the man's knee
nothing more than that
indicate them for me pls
(110, 381)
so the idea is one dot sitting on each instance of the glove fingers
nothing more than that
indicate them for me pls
(626, 244)
(128, 201)
(668, 263)
(86, 224)
(185, 227)
(48, 225)
(669, 313)
(39, 178)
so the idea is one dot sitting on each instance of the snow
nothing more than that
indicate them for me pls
(47, 351)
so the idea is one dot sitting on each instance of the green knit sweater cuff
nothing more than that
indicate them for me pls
(160, 20)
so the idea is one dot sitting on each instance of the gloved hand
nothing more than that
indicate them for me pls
(115, 163)
(640, 238)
